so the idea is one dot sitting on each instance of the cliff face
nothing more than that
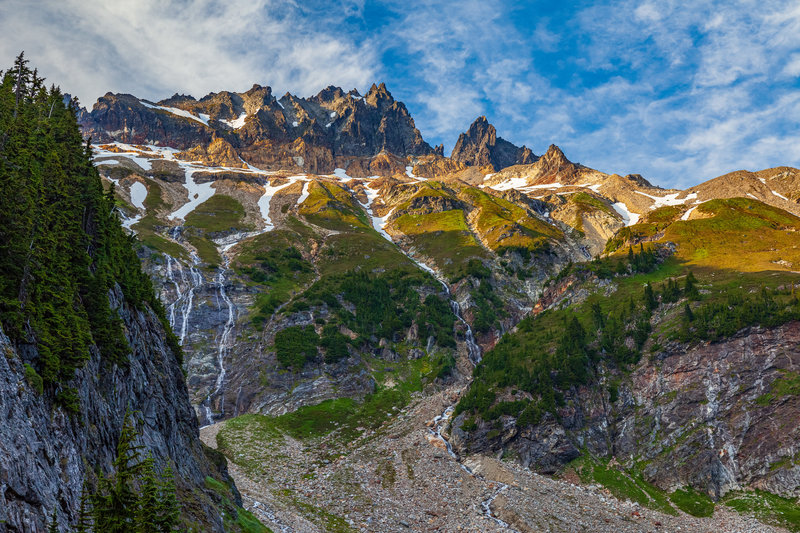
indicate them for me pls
(712, 416)
(47, 453)
(313, 134)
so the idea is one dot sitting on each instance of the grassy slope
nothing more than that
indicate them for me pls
(734, 249)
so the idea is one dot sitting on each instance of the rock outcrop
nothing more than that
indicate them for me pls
(700, 415)
(481, 146)
(48, 453)
(290, 133)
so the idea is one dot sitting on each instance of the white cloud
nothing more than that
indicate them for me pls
(673, 90)
(153, 48)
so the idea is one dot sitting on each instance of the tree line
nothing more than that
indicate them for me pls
(62, 248)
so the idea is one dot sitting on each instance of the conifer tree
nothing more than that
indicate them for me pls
(650, 302)
(147, 514)
(169, 508)
(116, 503)
(84, 524)
(690, 288)
(53, 527)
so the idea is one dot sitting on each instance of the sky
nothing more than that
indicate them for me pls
(679, 92)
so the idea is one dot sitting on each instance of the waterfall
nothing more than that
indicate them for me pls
(224, 345)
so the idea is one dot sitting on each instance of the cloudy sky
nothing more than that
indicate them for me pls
(676, 91)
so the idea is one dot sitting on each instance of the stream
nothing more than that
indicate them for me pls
(224, 344)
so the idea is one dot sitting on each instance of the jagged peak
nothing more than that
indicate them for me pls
(379, 92)
(331, 92)
(554, 153)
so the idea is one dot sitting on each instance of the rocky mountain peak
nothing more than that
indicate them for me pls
(480, 146)
(555, 155)
(379, 96)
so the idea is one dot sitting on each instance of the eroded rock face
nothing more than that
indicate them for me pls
(123, 118)
(47, 453)
(481, 146)
(703, 416)
(290, 133)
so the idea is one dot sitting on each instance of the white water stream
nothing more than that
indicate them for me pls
(224, 344)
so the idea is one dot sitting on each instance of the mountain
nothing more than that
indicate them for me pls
(334, 318)
(480, 146)
(87, 350)
(314, 134)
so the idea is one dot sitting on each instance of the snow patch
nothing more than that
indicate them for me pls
(779, 195)
(626, 214)
(341, 174)
(687, 213)
(266, 199)
(669, 199)
(138, 194)
(294, 123)
(333, 114)
(202, 119)
(379, 223)
(237, 122)
(594, 188)
(487, 177)
(752, 196)
(304, 194)
(198, 193)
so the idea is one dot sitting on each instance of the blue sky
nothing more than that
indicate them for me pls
(679, 92)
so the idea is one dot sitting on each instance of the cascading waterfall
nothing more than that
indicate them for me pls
(178, 293)
(441, 421)
(473, 349)
(186, 309)
(180, 309)
(224, 345)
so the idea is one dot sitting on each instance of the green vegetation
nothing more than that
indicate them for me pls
(586, 203)
(330, 206)
(296, 345)
(445, 237)
(233, 514)
(624, 484)
(343, 419)
(561, 349)
(62, 248)
(488, 305)
(281, 270)
(739, 234)
(773, 509)
(218, 213)
(692, 502)
(135, 497)
(508, 227)
(373, 307)
(788, 384)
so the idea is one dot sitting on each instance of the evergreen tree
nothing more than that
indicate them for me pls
(61, 246)
(597, 316)
(53, 527)
(116, 503)
(650, 302)
(84, 524)
(169, 510)
(690, 288)
(147, 514)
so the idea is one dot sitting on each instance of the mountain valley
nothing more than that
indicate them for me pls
(377, 337)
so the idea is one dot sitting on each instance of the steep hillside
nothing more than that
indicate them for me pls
(85, 345)
(675, 360)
